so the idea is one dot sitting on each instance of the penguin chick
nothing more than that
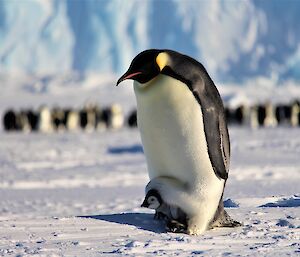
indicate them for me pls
(175, 218)
(153, 201)
(180, 204)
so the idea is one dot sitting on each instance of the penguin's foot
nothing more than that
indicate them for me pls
(175, 227)
(196, 226)
(232, 224)
(193, 231)
(225, 220)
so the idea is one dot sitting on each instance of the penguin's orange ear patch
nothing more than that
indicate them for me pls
(162, 60)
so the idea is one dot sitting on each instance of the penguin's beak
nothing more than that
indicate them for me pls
(128, 75)
(145, 204)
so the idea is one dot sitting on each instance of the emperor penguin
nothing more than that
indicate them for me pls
(45, 124)
(10, 120)
(73, 120)
(184, 133)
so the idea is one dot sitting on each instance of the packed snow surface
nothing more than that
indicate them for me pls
(79, 194)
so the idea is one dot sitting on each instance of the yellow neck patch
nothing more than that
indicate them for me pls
(162, 60)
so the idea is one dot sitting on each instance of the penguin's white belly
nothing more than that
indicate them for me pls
(172, 132)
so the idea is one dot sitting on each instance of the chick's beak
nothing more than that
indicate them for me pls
(145, 204)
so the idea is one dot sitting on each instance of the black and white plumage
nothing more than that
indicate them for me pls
(184, 133)
(113, 116)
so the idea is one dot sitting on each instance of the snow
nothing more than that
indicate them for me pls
(70, 194)
(235, 40)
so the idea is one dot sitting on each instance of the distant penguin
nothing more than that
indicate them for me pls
(261, 114)
(253, 117)
(83, 118)
(91, 118)
(33, 119)
(270, 119)
(132, 119)
(45, 120)
(283, 114)
(73, 120)
(242, 115)
(10, 120)
(184, 133)
(117, 118)
(106, 116)
(113, 117)
(66, 112)
(295, 114)
(88, 118)
(299, 114)
(23, 121)
(58, 117)
(100, 123)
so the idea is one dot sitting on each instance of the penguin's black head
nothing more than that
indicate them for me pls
(152, 200)
(145, 66)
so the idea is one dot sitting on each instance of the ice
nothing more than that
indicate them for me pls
(235, 40)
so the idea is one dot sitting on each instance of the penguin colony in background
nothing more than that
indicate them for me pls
(184, 133)
(59, 119)
(89, 118)
(261, 115)
(265, 115)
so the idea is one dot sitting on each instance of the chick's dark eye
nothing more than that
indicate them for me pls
(151, 199)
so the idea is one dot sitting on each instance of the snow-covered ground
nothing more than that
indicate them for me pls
(79, 194)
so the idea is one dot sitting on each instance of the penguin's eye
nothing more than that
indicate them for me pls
(151, 199)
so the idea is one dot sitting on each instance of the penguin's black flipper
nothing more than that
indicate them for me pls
(159, 215)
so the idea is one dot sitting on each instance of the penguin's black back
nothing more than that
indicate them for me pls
(194, 75)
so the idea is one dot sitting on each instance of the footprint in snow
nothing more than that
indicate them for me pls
(284, 223)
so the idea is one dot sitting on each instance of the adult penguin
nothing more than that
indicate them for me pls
(184, 133)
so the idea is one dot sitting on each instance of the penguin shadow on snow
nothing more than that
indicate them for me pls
(144, 221)
(130, 149)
